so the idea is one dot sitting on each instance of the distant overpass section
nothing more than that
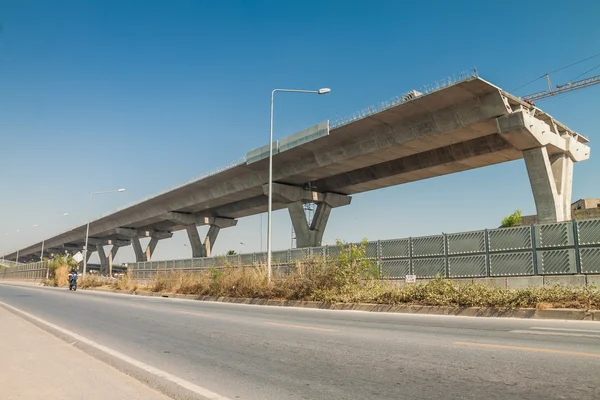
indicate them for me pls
(466, 125)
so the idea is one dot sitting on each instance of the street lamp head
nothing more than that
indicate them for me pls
(120, 190)
(324, 90)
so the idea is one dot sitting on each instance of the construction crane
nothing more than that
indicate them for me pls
(560, 89)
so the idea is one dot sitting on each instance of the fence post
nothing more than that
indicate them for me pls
(410, 256)
(446, 264)
(488, 264)
(534, 250)
(378, 258)
(576, 241)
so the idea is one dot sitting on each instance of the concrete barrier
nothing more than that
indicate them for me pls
(494, 282)
(463, 281)
(568, 280)
(593, 280)
(521, 282)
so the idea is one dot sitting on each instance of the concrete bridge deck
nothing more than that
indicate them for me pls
(470, 124)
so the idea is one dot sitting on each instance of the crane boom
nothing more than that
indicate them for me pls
(560, 89)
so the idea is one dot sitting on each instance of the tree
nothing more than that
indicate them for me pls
(231, 253)
(513, 219)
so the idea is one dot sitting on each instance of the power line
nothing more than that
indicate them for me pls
(527, 84)
(575, 63)
(588, 71)
(560, 69)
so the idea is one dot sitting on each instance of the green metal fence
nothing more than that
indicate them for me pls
(565, 248)
(542, 249)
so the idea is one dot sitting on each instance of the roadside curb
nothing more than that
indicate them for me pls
(524, 313)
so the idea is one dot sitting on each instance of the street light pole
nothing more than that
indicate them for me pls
(87, 229)
(6, 234)
(270, 207)
(17, 260)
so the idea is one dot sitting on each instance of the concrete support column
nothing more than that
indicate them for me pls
(133, 234)
(137, 249)
(309, 236)
(549, 152)
(111, 257)
(319, 222)
(191, 222)
(211, 238)
(103, 260)
(204, 249)
(150, 248)
(551, 181)
(89, 255)
(198, 249)
(562, 169)
(294, 197)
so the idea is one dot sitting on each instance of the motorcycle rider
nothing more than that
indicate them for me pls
(72, 275)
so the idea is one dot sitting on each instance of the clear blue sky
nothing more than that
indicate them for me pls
(97, 95)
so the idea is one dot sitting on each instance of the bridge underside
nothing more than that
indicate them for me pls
(469, 125)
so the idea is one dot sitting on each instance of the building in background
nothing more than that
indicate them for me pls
(586, 204)
(581, 209)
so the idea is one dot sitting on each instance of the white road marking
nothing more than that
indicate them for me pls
(532, 349)
(132, 361)
(555, 334)
(313, 328)
(566, 330)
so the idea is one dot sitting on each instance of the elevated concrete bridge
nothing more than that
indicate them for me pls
(469, 124)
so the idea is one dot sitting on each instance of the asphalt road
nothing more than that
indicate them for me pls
(254, 352)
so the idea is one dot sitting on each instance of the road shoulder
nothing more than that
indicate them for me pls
(36, 365)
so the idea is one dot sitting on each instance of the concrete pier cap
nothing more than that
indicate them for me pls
(549, 154)
(307, 235)
(525, 132)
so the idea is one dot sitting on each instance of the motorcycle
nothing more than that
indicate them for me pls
(72, 281)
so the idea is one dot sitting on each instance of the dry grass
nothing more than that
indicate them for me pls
(59, 271)
(122, 283)
(351, 279)
(250, 283)
(125, 282)
(61, 275)
(92, 281)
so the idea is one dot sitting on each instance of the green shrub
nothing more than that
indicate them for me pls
(513, 219)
